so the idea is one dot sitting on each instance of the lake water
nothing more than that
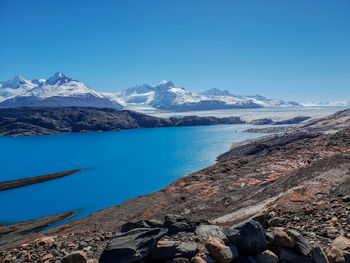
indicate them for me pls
(120, 165)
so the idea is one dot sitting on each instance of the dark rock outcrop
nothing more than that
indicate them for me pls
(131, 246)
(248, 236)
(175, 224)
(300, 243)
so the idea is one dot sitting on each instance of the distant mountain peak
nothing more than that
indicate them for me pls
(58, 77)
(15, 82)
(166, 83)
(19, 78)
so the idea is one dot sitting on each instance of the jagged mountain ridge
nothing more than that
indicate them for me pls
(57, 91)
(168, 97)
(62, 91)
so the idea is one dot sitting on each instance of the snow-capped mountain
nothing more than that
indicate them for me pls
(14, 87)
(257, 99)
(62, 91)
(168, 97)
(57, 91)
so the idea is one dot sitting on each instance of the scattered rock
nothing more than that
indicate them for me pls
(341, 243)
(308, 210)
(281, 238)
(45, 241)
(248, 236)
(267, 257)
(220, 252)
(75, 257)
(131, 246)
(47, 257)
(335, 256)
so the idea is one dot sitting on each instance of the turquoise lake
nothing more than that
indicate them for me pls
(119, 166)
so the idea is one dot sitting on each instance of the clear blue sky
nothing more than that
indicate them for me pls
(293, 49)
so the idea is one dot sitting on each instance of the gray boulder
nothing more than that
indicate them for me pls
(131, 246)
(248, 236)
(203, 232)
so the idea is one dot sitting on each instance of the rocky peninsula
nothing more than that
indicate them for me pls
(7, 185)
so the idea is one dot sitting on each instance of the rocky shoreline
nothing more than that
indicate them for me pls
(15, 234)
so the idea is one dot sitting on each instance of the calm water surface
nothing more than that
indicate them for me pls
(120, 165)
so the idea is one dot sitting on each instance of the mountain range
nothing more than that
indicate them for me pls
(62, 91)
(168, 97)
(59, 91)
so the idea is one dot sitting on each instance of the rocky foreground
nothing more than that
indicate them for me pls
(281, 198)
(176, 239)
